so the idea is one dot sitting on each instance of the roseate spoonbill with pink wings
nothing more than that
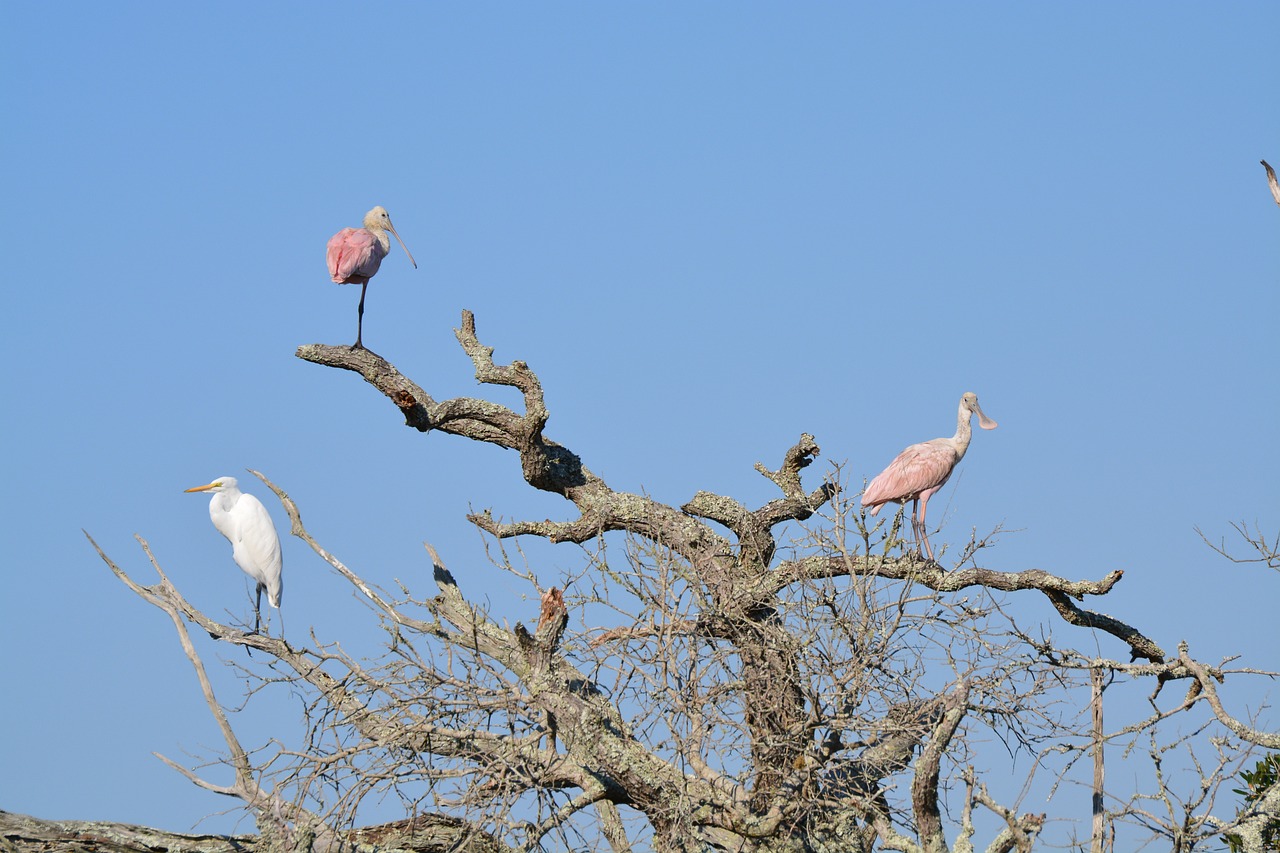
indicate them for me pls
(922, 469)
(255, 546)
(354, 255)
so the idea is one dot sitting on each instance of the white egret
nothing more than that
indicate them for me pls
(255, 546)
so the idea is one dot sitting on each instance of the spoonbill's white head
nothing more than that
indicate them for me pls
(378, 220)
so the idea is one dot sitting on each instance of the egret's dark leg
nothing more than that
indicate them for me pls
(257, 612)
(360, 318)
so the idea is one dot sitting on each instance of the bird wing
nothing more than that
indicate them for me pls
(917, 469)
(256, 546)
(353, 253)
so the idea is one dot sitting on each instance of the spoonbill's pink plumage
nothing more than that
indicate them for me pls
(920, 470)
(354, 255)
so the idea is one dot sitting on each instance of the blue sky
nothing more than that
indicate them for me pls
(709, 227)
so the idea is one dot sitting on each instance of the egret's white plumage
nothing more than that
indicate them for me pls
(255, 546)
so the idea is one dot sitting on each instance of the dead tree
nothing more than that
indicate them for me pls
(718, 677)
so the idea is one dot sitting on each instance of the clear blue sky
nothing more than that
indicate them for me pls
(709, 227)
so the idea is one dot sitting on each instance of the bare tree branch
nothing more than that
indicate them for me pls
(1268, 553)
(924, 786)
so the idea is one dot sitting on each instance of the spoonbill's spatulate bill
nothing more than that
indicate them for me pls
(354, 255)
(920, 470)
(254, 544)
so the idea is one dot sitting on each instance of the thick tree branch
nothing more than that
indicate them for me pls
(545, 464)
(1140, 646)
(796, 505)
(719, 509)
(1059, 590)
(799, 457)
(1206, 677)
(424, 834)
(26, 833)
(924, 785)
(935, 577)
(886, 750)
(1020, 830)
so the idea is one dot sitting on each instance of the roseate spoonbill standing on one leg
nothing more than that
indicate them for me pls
(922, 469)
(354, 255)
(254, 544)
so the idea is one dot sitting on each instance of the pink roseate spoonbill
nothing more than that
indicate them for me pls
(254, 544)
(922, 469)
(354, 255)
